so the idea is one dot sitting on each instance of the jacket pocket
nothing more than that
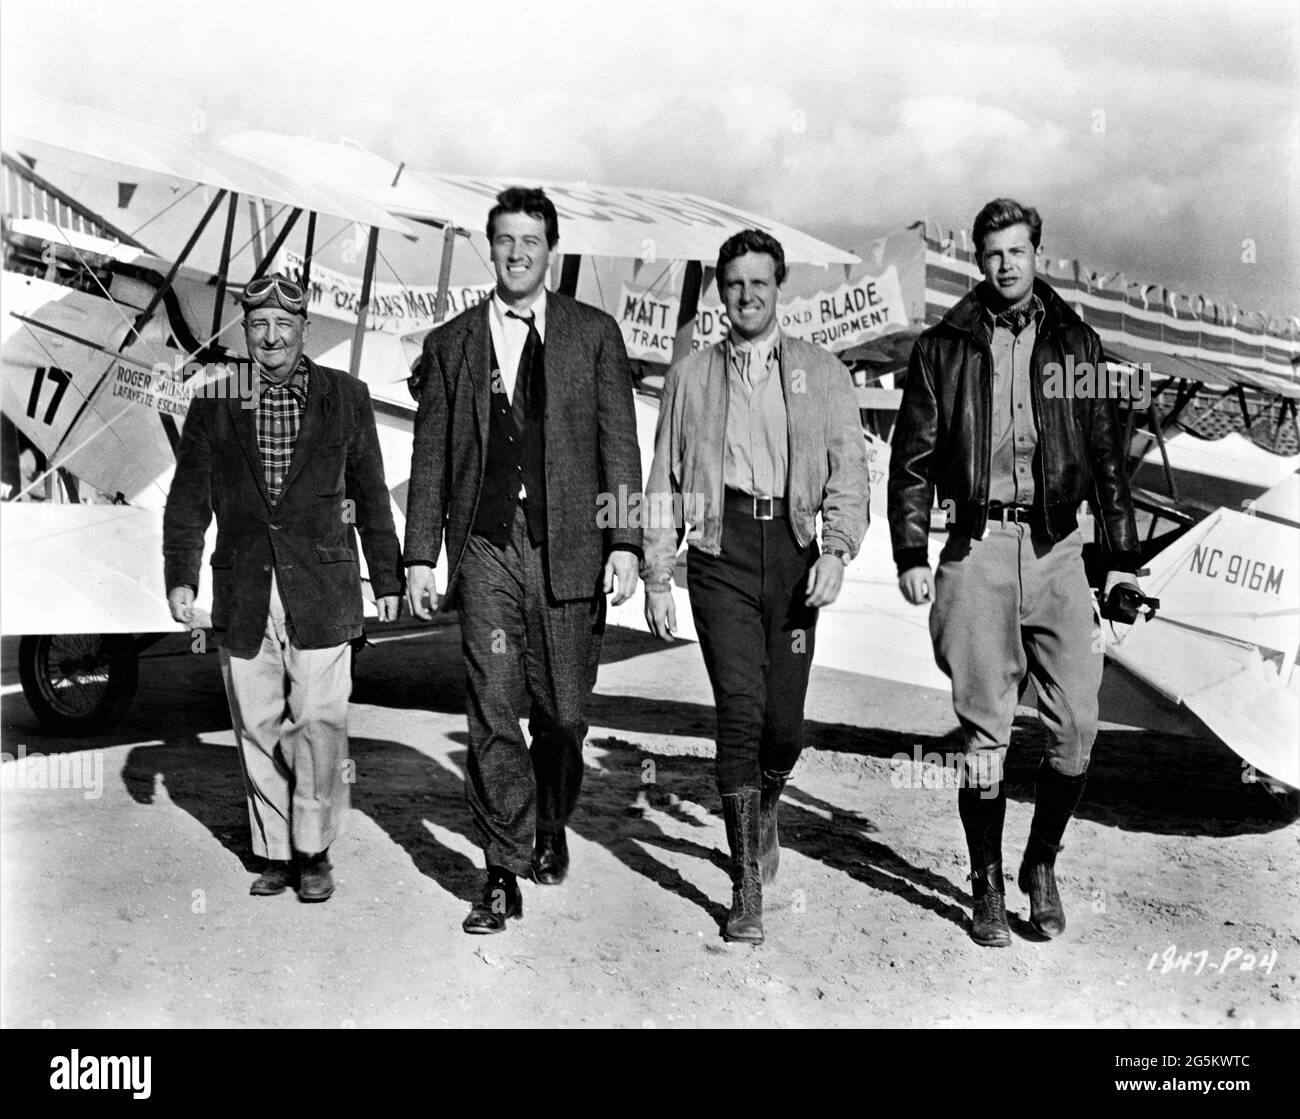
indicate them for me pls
(222, 559)
(335, 555)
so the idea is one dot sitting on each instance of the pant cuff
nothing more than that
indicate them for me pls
(519, 866)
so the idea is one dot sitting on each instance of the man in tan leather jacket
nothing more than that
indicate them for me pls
(756, 437)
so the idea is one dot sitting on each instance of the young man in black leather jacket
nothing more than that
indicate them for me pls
(985, 424)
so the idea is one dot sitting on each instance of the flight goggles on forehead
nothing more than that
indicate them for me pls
(280, 290)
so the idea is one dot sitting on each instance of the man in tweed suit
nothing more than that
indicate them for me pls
(525, 429)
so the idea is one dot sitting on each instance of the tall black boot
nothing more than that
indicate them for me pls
(982, 812)
(1055, 799)
(769, 842)
(740, 811)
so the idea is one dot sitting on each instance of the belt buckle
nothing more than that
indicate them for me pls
(763, 508)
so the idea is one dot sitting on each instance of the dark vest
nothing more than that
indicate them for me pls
(515, 454)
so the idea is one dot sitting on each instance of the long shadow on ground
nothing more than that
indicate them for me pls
(401, 789)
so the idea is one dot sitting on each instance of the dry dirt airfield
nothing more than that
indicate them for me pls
(131, 907)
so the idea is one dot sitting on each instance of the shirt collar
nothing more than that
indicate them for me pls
(763, 349)
(537, 308)
(296, 385)
(1034, 307)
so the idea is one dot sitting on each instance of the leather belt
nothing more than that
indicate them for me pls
(761, 508)
(1016, 514)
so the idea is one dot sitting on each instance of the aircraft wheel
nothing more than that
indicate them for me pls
(77, 683)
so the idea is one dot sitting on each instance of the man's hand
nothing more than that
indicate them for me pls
(389, 607)
(421, 591)
(917, 585)
(180, 601)
(661, 612)
(622, 569)
(824, 581)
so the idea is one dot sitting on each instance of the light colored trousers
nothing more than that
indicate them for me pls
(1012, 604)
(289, 707)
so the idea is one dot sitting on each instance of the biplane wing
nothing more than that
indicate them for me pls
(99, 144)
(595, 220)
(1224, 643)
(86, 568)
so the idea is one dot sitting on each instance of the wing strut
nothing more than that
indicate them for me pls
(219, 303)
(274, 246)
(444, 272)
(307, 252)
(572, 264)
(692, 283)
(367, 280)
(145, 315)
(363, 308)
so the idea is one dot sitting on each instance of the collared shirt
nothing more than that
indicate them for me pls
(509, 335)
(279, 419)
(1014, 434)
(756, 449)
(509, 327)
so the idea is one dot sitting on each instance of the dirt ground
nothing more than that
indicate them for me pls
(132, 908)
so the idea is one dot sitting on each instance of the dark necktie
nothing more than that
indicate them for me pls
(526, 395)
(1015, 321)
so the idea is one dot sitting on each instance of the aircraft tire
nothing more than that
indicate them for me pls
(78, 683)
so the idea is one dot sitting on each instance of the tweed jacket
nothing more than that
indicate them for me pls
(333, 491)
(588, 433)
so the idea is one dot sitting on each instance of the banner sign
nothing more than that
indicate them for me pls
(158, 389)
(836, 319)
(394, 308)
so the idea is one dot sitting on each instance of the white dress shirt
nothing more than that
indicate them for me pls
(508, 338)
(509, 335)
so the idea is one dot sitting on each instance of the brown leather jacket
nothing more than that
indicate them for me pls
(942, 438)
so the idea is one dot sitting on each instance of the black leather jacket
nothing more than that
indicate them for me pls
(942, 438)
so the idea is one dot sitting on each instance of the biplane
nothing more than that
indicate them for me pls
(105, 340)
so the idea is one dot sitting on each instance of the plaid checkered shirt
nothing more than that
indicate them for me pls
(279, 416)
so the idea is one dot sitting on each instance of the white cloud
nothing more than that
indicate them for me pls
(908, 107)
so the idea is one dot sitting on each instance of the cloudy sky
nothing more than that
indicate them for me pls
(1156, 137)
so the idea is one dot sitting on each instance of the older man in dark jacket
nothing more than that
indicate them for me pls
(1012, 460)
(525, 439)
(292, 476)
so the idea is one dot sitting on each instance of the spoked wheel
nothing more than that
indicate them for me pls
(77, 683)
